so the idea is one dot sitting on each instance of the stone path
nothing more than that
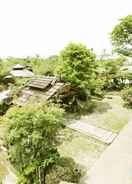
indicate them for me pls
(92, 131)
(10, 179)
(115, 164)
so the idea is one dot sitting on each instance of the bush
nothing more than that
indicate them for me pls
(44, 66)
(65, 170)
(19, 84)
(3, 108)
(111, 75)
(71, 100)
(127, 96)
(32, 137)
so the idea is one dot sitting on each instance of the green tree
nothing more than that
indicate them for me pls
(111, 73)
(121, 36)
(32, 138)
(43, 66)
(77, 66)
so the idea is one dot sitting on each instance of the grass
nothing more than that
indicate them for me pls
(83, 149)
(108, 114)
(115, 121)
(113, 118)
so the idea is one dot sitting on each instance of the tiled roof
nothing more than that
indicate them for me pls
(22, 73)
(41, 83)
(41, 89)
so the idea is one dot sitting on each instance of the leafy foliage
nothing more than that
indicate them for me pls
(44, 66)
(78, 69)
(77, 66)
(111, 75)
(65, 170)
(127, 96)
(40, 66)
(121, 36)
(32, 138)
(3, 107)
(18, 85)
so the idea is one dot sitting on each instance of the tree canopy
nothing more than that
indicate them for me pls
(77, 65)
(121, 36)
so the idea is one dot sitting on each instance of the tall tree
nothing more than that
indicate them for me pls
(77, 66)
(121, 36)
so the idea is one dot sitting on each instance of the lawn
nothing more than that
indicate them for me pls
(83, 149)
(108, 114)
(113, 117)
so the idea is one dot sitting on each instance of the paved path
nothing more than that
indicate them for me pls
(93, 131)
(10, 179)
(115, 164)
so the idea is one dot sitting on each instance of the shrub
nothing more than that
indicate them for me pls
(111, 75)
(65, 170)
(44, 66)
(32, 137)
(127, 96)
(3, 107)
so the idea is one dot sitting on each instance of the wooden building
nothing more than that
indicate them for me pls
(23, 71)
(40, 89)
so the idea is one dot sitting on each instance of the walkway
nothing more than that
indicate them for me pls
(94, 132)
(115, 164)
(10, 179)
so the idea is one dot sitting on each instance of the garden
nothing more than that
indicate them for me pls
(37, 144)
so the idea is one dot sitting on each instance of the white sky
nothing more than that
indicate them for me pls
(44, 27)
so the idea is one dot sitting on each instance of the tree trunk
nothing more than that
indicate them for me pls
(42, 175)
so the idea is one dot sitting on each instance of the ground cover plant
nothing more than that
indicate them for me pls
(127, 96)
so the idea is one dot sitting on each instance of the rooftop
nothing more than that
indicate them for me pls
(42, 82)
(21, 73)
(40, 89)
(18, 67)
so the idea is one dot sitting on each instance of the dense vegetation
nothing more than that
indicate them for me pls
(77, 66)
(122, 36)
(32, 138)
(33, 132)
